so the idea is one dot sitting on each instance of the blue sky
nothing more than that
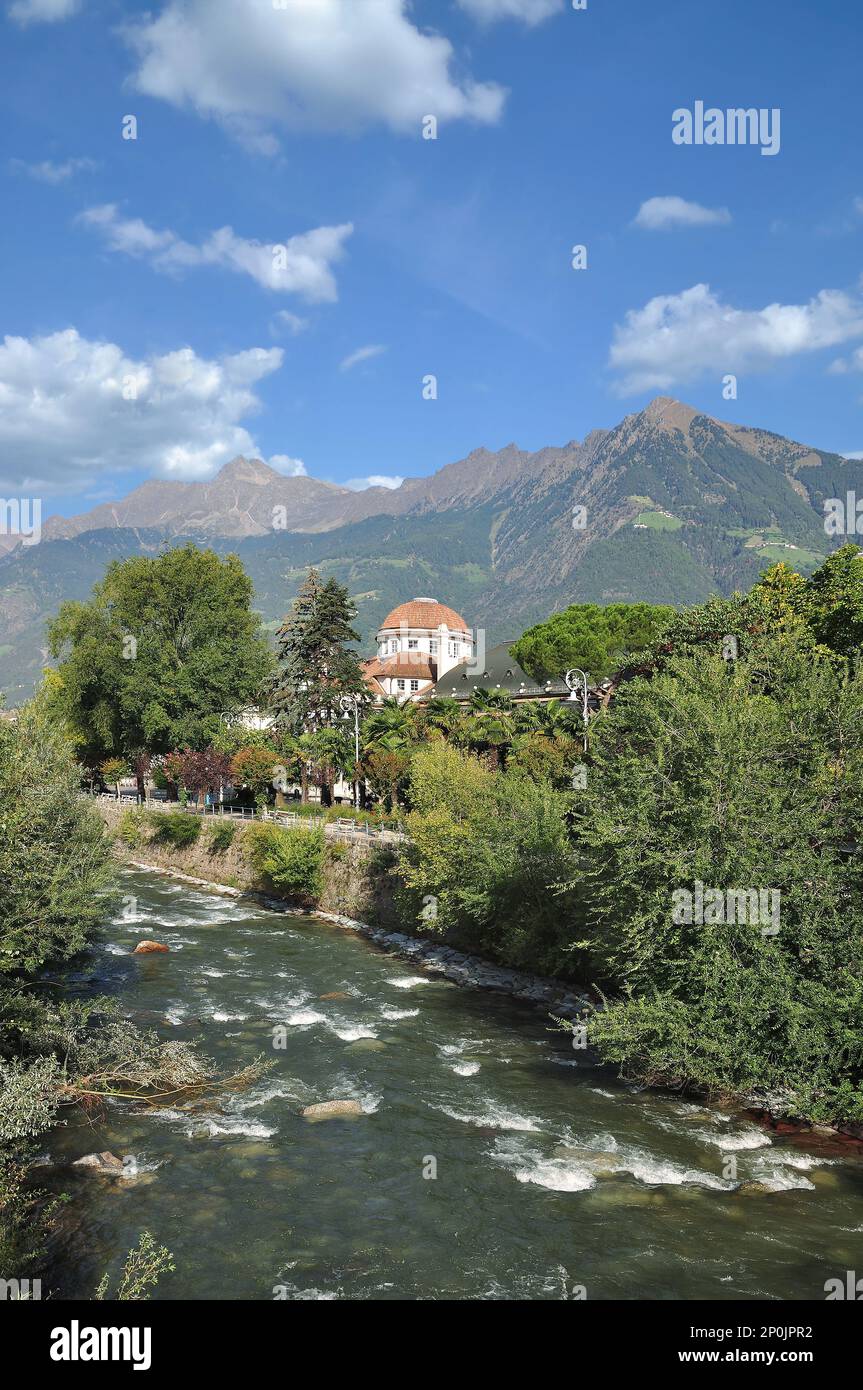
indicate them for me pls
(142, 339)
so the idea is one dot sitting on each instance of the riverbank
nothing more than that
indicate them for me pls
(473, 1122)
(453, 965)
(359, 895)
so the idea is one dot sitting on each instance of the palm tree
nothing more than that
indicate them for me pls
(389, 728)
(442, 715)
(490, 699)
(491, 731)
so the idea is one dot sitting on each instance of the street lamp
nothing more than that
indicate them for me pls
(351, 704)
(578, 682)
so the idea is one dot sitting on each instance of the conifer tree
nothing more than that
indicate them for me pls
(316, 664)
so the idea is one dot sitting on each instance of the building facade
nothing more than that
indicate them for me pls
(417, 643)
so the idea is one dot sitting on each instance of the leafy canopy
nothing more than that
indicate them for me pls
(163, 650)
(593, 638)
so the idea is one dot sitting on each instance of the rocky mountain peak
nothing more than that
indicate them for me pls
(664, 412)
(243, 470)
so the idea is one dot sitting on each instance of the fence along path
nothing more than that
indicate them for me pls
(341, 828)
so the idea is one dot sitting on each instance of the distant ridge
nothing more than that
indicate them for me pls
(669, 506)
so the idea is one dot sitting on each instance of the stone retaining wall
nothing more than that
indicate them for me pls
(358, 895)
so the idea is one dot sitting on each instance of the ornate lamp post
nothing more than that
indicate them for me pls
(577, 682)
(351, 705)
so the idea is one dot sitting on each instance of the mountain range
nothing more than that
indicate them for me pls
(669, 506)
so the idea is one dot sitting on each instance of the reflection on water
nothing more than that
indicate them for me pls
(549, 1173)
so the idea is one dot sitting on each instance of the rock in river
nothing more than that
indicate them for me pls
(106, 1163)
(330, 1109)
(144, 948)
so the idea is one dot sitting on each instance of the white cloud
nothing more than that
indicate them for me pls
(301, 265)
(65, 417)
(678, 337)
(292, 468)
(852, 454)
(363, 354)
(311, 64)
(42, 11)
(286, 322)
(390, 480)
(854, 363)
(48, 172)
(530, 11)
(658, 214)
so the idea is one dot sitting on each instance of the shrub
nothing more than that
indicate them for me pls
(131, 827)
(175, 828)
(55, 855)
(741, 775)
(291, 861)
(378, 818)
(222, 834)
(488, 854)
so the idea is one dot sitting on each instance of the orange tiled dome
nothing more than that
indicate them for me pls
(425, 612)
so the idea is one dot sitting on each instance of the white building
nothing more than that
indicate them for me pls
(418, 642)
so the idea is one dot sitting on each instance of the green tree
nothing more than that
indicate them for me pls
(441, 716)
(255, 767)
(593, 638)
(545, 758)
(743, 776)
(832, 601)
(113, 771)
(55, 858)
(332, 756)
(290, 861)
(316, 663)
(388, 728)
(163, 649)
(488, 852)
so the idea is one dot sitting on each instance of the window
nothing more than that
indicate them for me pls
(400, 685)
(394, 644)
(415, 685)
(413, 644)
(433, 646)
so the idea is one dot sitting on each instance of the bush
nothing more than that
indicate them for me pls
(176, 828)
(222, 834)
(131, 827)
(377, 818)
(55, 854)
(488, 853)
(741, 776)
(291, 861)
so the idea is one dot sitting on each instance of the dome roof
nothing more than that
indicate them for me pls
(425, 613)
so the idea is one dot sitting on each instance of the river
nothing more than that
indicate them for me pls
(551, 1176)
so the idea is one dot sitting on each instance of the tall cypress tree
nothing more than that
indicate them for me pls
(316, 664)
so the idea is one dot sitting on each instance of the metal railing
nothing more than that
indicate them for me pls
(339, 828)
